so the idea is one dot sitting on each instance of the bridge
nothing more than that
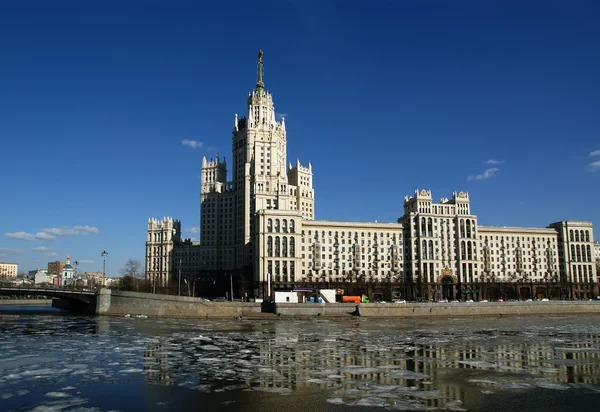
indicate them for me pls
(77, 300)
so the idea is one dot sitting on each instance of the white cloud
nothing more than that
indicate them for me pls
(53, 254)
(41, 248)
(29, 236)
(595, 153)
(194, 144)
(193, 229)
(44, 236)
(493, 162)
(594, 166)
(487, 173)
(280, 115)
(86, 261)
(67, 231)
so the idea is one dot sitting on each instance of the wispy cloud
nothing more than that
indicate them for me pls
(41, 248)
(487, 173)
(194, 144)
(595, 153)
(278, 116)
(493, 162)
(6, 251)
(85, 261)
(30, 236)
(594, 166)
(69, 231)
(193, 229)
(52, 254)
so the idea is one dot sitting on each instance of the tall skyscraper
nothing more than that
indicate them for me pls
(259, 229)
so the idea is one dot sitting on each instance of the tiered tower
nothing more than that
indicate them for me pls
(260, 180)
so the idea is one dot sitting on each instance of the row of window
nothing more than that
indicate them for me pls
(281, 226)
(581, 254)
(579, 235)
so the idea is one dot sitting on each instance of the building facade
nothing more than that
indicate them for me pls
(8, 270)
(55, 268)
(259, 227)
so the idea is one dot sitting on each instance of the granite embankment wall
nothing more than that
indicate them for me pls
(120, 303)
(420, 310)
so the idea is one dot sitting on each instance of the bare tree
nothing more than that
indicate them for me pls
(131, 268)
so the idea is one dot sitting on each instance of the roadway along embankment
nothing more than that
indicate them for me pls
(26, 302)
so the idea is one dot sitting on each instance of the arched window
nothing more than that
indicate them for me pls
(292, 226)
(572, 252)
(423, 226)
(578, 251)
(284, 247)
(429, 227)
(270, 246)
(577, 236)
(462, 228)
(473, 226)
(276, 225)
(589, 253)
(292, 247)
(587, 235)
(270, 225)
(431, 249)
(581, 237)
(463, 252)
(468, 228)
(424, 251)
(277, 247)
(469, 249)
(571, 235)
(284, 225)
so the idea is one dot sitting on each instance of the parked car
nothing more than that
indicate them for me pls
(399, 301)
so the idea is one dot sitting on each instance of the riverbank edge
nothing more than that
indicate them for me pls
(134, 304)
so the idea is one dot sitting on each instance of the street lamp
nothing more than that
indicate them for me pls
(104, 254)
(179, 282)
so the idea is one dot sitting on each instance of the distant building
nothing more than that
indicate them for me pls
(112, 282)
(39, 276)
(55, 268)
(597, 250)
(31, 274)
(8, 270)
(68, 273)
(94, 278)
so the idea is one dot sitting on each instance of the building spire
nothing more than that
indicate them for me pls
(259, 81)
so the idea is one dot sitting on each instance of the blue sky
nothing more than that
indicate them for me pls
(382, 97)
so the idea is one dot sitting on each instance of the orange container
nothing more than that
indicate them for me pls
(350, 299)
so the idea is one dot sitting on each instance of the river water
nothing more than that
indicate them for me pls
(57, 361)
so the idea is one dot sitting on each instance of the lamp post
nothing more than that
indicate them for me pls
(231, 284)
(179, 281)
(104, 254)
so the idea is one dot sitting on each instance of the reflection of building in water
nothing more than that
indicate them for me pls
(158, 360)
(301, 366)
